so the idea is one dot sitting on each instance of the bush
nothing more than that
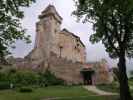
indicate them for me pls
(25, 89)
(4, 85)
(26, 78)
(12, 70)
(1, 68)
(50, 79)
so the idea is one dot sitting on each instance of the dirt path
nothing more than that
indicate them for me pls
(98, 91)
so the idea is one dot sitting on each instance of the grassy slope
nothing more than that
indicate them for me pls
(93, 98)
(108, 88)
(114, 87)
(39, 93)
(66, 93)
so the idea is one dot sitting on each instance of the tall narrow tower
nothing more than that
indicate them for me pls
(48, 28)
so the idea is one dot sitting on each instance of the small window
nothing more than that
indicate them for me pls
(56, 23)
(50, 17)
(77, 44)
(78, 50)
(55, 30)
(60, 47)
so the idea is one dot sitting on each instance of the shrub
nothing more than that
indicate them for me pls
(51, 79)
(25, 78)
(1, 68)
(4, 77)
(4, 85)
(12, 70)
(25, 89)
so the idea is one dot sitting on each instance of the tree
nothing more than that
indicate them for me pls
(10, 26)
(131, 74)
(113, 25)
(115, 74)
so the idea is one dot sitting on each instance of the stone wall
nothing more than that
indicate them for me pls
(66, 69)
(102, 74)
(71, 49)
(60, 67)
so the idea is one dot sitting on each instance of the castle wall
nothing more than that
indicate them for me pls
(69, 48)
(43, 36)
(55, 33)
(102, 75)
(66, 70)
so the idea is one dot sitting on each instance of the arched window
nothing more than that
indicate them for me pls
(60, 47)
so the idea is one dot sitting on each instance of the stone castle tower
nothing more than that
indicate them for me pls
(47, 30)
(51, 39)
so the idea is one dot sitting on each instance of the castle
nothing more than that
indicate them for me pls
(62, 52)
(51, 38)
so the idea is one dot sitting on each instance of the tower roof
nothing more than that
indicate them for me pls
(51, 10)
(70, 33)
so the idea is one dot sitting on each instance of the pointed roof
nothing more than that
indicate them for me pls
(51, 10)
(65, 30)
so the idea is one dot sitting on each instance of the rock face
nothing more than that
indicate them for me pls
(59, 50)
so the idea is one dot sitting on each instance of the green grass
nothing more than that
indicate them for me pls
(64, 93)
(91, 98)
(130, 82)
(39, 93)
(113, 87)
(108, 88)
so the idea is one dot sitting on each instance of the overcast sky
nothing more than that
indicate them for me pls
(64, 8)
